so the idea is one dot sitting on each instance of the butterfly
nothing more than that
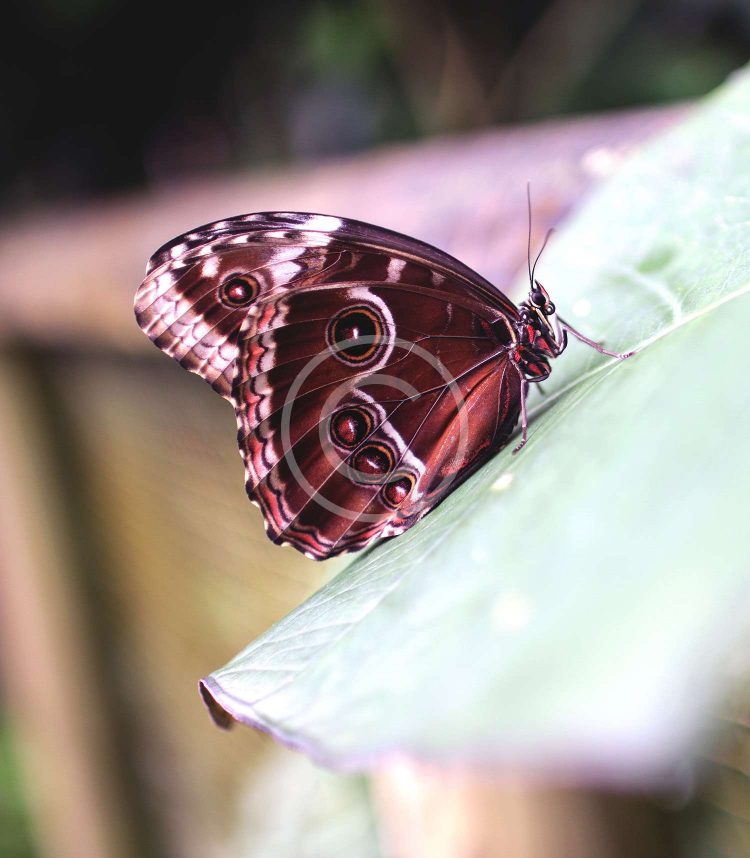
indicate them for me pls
(370, 372)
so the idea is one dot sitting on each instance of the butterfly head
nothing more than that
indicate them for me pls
(538, 327)
(543, 309)
(539, 334)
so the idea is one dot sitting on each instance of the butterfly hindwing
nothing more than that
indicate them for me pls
(341, 445)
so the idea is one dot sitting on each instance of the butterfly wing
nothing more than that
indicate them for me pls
(369, 371)
(184, 304)
(338, 453)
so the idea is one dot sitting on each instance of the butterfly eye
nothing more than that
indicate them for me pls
(372, 463)
(350, 427)
(537, 299)
(238, 291)
(396, 491)
(355, 335)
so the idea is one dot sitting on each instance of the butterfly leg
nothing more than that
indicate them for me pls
(594, 345)
(524, 415)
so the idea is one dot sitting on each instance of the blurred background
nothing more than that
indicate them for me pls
(131, 562)
(105, 96)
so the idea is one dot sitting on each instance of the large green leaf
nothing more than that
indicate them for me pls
(570, 608)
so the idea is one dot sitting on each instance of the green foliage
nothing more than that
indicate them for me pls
(341, 40)
(570, 608)
(15, 839)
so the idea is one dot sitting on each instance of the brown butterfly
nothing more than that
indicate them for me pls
(369, 372)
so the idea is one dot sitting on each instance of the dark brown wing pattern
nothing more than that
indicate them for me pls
(369, 371)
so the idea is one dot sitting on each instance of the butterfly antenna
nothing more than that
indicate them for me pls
(541, 250)
(528, 243)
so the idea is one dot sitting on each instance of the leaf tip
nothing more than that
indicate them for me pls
(218, 713)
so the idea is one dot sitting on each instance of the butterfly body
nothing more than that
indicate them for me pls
(369, 372)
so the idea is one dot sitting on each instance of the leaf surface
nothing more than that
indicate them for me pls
(573, 608)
